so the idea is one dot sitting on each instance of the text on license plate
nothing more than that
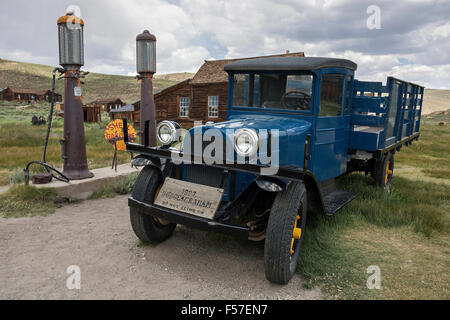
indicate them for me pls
(191, 198)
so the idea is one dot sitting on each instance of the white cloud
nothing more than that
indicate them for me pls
(186, 59)
(190, 31)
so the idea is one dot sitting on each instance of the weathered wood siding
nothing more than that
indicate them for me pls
(92, 114)
(201, 92)
(168, 103)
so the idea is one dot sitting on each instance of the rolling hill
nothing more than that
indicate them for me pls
(35, 76)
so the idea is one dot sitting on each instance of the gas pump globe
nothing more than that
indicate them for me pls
(71, 42)
(146, 52)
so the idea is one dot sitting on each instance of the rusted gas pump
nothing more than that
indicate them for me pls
(71, 58)
(146, 68)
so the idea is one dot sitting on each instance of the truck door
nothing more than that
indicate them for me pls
(332, 127)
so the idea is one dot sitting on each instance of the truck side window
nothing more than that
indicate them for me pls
(332, 95)
(240, 91)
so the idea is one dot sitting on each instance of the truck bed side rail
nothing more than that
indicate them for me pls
(384, 115)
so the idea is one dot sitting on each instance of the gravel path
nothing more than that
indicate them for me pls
(96, 236)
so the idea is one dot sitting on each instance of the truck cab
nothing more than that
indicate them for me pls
(294, 124)
(316, 91)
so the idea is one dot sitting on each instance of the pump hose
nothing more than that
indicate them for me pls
(48, 168)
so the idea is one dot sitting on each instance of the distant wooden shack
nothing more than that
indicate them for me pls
(131, 112)
(23, 94)
(107, 104)
(91, 114)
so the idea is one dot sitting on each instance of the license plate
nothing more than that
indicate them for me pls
(196, 199)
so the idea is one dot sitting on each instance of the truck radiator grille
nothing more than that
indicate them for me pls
(204, 175)
(189, 145)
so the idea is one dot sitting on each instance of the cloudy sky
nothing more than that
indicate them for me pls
(412, 43)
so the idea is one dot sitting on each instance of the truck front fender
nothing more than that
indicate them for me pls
(272, 184)
(276, 184)
(314, 193)
(144, 160)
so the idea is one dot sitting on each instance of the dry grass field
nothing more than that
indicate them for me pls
(436, 100)
(404, 230)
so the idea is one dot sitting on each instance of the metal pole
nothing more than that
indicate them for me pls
(147, 109)
(75, 160)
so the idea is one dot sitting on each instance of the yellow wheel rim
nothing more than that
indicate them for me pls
(388, 172)
(296, 234)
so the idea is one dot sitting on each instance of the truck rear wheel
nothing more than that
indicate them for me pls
(147, 228)
(285, 232)
(384, 170)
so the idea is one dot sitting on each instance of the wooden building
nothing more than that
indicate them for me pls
(106, 104)
(131, 112)
(202, 98)
(91, 114)
(23, 94)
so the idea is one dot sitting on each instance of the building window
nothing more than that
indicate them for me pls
(332, 95)
(213, 107)
(184, 107)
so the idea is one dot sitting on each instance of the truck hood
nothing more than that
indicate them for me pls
(292, 134)
(286, 125)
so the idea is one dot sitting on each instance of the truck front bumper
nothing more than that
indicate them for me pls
(189, 220)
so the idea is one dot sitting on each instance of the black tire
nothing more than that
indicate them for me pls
(279, 263)
(384, 171)
(147, 228)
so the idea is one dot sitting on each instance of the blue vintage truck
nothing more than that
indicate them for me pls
(294, 125)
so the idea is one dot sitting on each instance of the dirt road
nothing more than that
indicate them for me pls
(96, 236)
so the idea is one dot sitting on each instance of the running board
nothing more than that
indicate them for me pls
(335, 200)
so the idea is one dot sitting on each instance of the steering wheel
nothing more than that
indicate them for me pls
(305, 99)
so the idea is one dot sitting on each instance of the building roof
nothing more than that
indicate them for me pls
(27, 91)
(106, 101)
(172, 87)
(290, 63)
(127, 108)
(212, 71)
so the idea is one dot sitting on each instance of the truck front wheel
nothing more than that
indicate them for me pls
(147, 228)
(285, 232)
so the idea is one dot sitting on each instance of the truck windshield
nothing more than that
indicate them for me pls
(273, 91)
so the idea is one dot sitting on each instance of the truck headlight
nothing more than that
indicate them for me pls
(246, 142)
(166, 132)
